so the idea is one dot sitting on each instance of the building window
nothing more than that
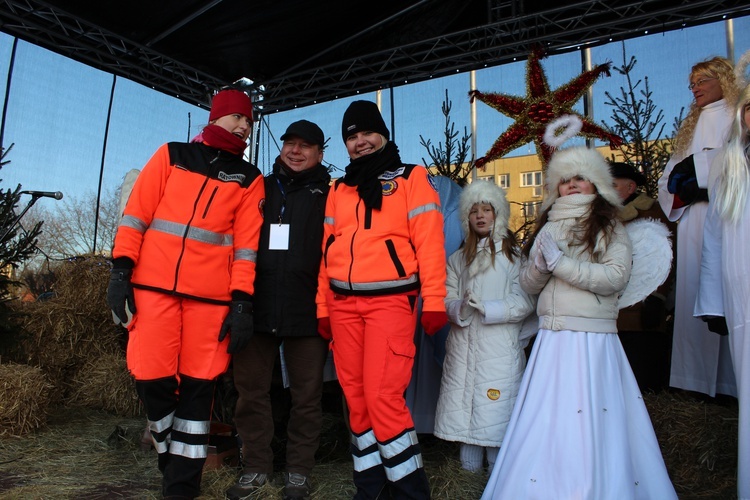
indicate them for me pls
(487, 178)
(503, 180)
(534, 181)
(530, 209)
(530, 179)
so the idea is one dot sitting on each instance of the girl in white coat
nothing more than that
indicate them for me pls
(579, 429)
(484, 360)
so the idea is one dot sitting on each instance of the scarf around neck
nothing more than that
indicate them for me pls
(571, 207)
(220, 138)
(364, 171)
(483, 258)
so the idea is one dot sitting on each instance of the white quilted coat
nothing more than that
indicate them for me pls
(484, 361)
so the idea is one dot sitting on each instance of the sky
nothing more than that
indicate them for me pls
(56, 109)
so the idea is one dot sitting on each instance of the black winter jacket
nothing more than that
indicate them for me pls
(287, 280)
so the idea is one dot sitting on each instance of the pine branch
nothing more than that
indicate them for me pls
(449, 158)
(640, 123)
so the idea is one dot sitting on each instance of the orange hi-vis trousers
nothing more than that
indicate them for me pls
(175, 356)
(171, 335)
(373, 350)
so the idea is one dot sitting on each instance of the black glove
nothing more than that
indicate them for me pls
(691, 193)
(239, 325)
(682, 172)
(717, 324)
(684, 183)
(120, 296)
(652, 312)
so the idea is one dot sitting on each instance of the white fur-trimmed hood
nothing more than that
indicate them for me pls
(579, 161)
(485, 192)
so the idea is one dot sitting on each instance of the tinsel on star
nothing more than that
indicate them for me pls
(541, 106)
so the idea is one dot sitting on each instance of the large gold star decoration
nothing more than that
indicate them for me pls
(541, 106)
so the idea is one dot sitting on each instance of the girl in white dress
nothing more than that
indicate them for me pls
(484, 359)
(579, 429)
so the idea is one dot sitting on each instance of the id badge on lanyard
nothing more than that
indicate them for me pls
(278, 238)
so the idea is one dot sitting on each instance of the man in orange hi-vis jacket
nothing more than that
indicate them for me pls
(185, 253)
(382, 246)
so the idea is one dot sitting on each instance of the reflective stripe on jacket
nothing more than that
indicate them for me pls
(192, 222)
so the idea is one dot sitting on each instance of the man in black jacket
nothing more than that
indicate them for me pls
(285, 318)
(645, 328)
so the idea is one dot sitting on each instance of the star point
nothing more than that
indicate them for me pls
(538, 108)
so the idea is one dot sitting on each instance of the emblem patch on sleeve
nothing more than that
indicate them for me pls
(389, 187)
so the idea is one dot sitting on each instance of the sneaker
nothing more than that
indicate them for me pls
(247, 484)
(296, 486)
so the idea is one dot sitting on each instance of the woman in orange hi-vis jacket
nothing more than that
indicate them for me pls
(185, 254)
(382, 246)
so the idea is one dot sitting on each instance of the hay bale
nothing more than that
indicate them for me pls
(24, 399)
(103, 383)
(698, 439)
(63, 333)
(82, 283)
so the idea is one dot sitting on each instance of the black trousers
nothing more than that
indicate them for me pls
(253, 371)
(649, 354)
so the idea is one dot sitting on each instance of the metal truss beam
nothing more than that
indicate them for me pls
(53, 29)
(558, 29)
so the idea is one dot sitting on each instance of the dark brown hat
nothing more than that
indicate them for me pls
(307, 131)
(622, 170)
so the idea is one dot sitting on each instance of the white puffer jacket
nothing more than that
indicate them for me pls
(484, 360)
(579, 295)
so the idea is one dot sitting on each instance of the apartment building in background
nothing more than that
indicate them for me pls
(522, 178)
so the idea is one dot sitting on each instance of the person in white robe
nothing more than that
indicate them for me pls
(700, 361)
(724, 293)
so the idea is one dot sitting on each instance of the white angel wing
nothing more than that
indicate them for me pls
(652, 259)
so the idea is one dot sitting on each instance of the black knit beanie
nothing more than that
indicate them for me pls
(361, 116)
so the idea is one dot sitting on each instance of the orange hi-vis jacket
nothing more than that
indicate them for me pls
(396, 249)
(192, 222)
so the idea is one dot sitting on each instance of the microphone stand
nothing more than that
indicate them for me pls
(33, 199)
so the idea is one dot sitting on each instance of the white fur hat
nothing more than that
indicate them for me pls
(579, 161)
(485, 192)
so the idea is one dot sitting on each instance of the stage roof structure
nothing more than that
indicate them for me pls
(304, 52)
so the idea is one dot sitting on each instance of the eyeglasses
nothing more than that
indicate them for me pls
(699, 83)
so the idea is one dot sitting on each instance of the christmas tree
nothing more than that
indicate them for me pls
(16, 245)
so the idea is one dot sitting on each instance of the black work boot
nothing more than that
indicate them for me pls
(296, 486)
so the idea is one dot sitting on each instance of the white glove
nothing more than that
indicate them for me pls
(539, 261)
(476, 304)
(466, 309)
(550, 250)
